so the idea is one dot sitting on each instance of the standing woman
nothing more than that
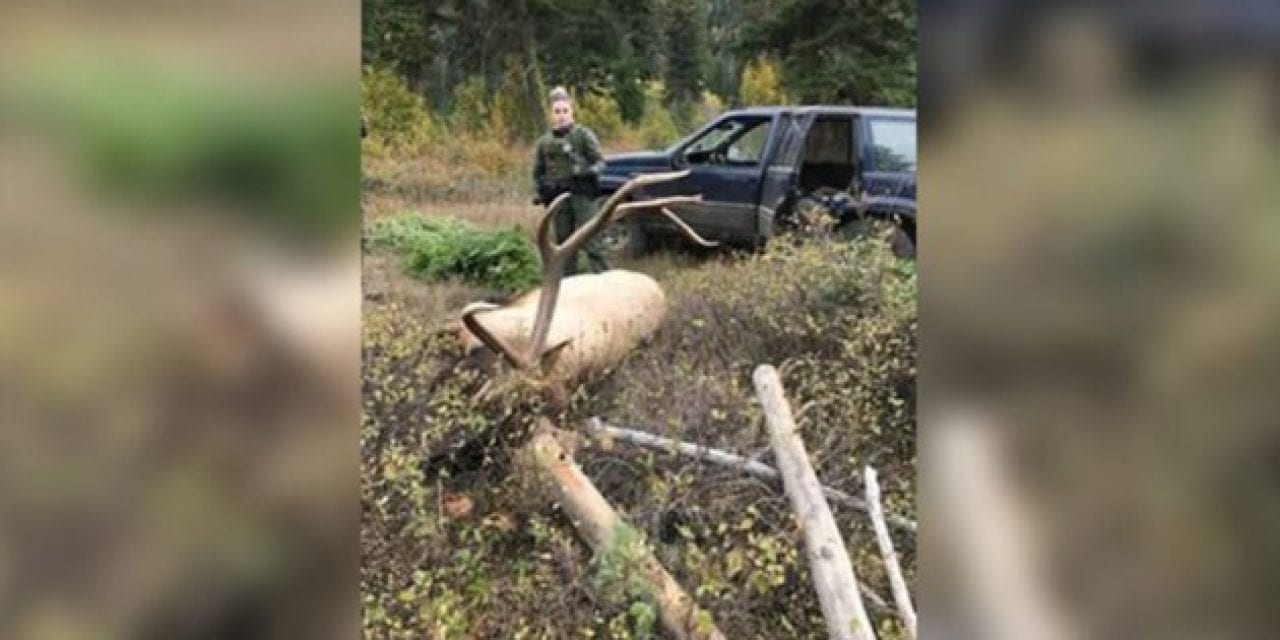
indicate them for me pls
(567, 158)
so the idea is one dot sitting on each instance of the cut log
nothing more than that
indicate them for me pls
(730, 460)
(901, 596)
(598, 524)
(833, 576)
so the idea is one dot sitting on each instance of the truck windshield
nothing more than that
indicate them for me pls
(895, 144)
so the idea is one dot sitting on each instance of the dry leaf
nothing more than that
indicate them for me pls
(457, 506)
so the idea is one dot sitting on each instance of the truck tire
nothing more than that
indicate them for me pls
(903, 246)
(622, 240)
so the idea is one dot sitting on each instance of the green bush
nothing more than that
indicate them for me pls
(658, 129)
(600, 113)
(514, 111)
(471, 106)
(398, 118)
(439, 248)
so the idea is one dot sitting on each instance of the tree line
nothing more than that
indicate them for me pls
(822, 51)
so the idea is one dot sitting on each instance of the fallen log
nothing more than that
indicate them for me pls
(901, 596)
(833, 576)
(599, 524)
(731, 460)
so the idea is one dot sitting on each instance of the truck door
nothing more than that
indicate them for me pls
(782, 169)
(724, 163)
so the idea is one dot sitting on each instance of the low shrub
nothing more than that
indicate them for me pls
(439, 248)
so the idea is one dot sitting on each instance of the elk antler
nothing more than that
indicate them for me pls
(556, 256)
(497, 344)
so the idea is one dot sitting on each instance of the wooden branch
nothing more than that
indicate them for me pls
(833, 576)
(598, 523)
(689, 450)
(901, 597)
(730, 460)
(723, 458)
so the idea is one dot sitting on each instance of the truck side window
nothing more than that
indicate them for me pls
(895, 144)
(712, 139)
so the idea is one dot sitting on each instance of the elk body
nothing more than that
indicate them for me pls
(598, 319)
(573, 326)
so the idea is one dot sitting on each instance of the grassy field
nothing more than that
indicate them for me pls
(457, 543)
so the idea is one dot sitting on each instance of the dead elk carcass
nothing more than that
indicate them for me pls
(571, 326)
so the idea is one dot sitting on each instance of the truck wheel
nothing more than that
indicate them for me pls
(622, 240)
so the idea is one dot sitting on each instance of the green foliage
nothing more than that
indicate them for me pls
(517, 107)
(439, 248)
(397, 117)
(600, 113)
(762, 84)
(658, 129)
(629, 92)
(392, 35)
(864, 52)
(686, 51)
(619, 574)
(829, 51)
(471, 105)
(709, 107)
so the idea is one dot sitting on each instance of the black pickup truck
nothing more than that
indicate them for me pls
(754, 166)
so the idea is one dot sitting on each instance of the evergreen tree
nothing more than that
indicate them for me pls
(686, 50)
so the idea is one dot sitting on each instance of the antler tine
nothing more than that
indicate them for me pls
(687, 230)
(627, 208)
(553, 260)
(489, 339)
(661, 205)
(607, 210)
(546, 246)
